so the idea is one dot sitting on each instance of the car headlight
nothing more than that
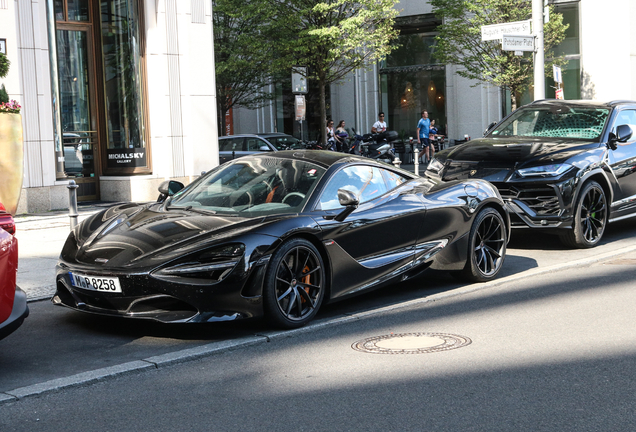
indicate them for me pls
(212, 266)
(435, 165)
(544, 170)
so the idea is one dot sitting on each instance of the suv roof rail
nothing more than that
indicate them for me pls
(620, 101)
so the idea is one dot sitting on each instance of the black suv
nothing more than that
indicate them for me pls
(564, 166)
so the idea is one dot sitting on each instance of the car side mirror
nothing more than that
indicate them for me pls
(263, 148)
(623, 134)
(349, 201)
(169, 188)
(489, 128)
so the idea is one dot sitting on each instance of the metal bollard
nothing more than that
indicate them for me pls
(72, 203)
(416, 155)
(397, 162)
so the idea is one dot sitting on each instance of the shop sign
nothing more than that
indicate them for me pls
(126, 158)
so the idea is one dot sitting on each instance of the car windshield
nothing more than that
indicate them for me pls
(557, 121)
(252, 187)
(284, 142)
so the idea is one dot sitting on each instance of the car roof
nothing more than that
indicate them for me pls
(274, 134)
(580, 102)
(239, 136)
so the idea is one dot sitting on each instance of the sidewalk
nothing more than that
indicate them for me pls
(40, 240)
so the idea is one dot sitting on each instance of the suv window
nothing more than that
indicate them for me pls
(626, 117)
(254, 144)
(555, 121)
(231, 144)
(365, 181)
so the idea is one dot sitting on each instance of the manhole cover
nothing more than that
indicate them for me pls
(411, 343)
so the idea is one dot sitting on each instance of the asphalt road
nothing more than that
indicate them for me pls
(555, 352)
(55, 342)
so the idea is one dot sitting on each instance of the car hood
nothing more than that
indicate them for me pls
(146, 235)
(508, 151)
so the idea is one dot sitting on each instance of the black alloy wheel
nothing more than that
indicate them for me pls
(487, 246)
(294, 284)
(590, 218)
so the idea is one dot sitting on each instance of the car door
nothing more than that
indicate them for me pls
(378, 238)
(231, 148)
(623, 163)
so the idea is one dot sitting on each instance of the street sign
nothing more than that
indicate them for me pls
(517, 43)
(299, 80)
(496, 31)
(300, 107)
(558, 94)
(556, 71)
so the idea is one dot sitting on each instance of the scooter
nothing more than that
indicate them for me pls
(380, 147)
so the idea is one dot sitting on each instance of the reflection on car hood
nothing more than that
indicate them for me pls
(508, 151)
(124, 238)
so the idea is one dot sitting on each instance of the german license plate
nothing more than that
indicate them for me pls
(95, 283)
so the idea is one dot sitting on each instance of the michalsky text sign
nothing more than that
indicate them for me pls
(126, 158)
(496, 31)
(517, 43)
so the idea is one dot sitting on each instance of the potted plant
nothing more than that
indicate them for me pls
(11, 149)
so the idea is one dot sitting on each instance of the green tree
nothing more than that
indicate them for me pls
(242, 55)
(4, 96)
(459, 42)
(331, 38)
(4, 65)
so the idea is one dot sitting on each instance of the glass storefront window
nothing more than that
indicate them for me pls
(75, 103)
(410, 82)
(59, 10)
(124, 92)
(78, 10)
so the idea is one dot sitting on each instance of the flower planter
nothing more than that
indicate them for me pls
(11, 160)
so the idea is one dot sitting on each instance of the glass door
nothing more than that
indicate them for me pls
(79, 134)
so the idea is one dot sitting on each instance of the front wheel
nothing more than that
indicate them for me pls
(486, 246)
(590, 218)
(295, 284)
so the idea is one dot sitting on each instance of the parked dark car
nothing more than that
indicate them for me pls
(278, 234)
(234, 146)
(13, 301)
(561, 166)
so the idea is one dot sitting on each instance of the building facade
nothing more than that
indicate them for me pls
(600, 47)
(117, 95)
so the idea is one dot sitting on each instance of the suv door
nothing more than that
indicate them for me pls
(623, 160)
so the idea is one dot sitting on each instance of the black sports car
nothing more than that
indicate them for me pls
(562, 166)
(278, 234)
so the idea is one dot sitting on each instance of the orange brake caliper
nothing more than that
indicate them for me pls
(306, 280)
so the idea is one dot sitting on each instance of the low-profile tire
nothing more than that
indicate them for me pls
(590, 218)
(486, 247)
(295, 284)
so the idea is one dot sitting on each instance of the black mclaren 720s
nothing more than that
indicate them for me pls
(277, 235)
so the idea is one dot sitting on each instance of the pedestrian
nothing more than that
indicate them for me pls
(331, 136)
(342, 135)
(423, 130)
(380, 125)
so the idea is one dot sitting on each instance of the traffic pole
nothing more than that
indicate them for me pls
(539, 56)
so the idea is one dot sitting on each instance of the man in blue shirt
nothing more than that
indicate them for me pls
(423, 127)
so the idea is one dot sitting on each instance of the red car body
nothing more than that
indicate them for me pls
(13, 301)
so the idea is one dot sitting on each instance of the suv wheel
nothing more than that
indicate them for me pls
(590, 218)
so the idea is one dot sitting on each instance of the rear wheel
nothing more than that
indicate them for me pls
(486, 247)
(590, 218)
(294, 284)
